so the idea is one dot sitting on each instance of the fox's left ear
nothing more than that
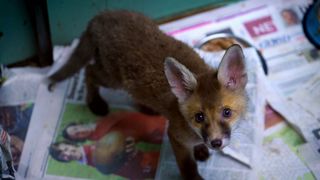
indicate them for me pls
(232, 71)
(181, 80)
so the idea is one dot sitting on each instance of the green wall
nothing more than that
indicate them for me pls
(17, 40)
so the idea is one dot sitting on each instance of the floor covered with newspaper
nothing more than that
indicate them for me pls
(278, 137)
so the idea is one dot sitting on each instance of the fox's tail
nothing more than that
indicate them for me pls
(79, 58)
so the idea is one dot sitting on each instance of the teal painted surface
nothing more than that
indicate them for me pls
(68, 19)
(159, 9)
(17, 40)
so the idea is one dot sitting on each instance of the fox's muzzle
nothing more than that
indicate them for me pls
(216, 140)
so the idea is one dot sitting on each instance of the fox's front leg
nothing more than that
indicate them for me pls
(187, 164)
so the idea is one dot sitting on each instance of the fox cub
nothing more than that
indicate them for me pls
(129, 52)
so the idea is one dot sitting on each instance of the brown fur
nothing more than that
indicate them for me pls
(130, 52)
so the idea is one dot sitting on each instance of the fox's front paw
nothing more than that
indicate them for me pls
(201, 152)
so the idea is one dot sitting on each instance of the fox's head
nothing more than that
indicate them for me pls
(212, 101)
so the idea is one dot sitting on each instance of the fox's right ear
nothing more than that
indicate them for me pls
(181, 79)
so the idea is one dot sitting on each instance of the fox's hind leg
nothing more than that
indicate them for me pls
(94, 100)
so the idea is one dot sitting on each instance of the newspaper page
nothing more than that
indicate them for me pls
(246, 138)
(306, 98)
(292, 112)
(300, 119)
(311, 154)
(114, 147)
(280, 137)
(275, 156)
(17, 98)
(263, 24)
(303, 125)
(291, 60)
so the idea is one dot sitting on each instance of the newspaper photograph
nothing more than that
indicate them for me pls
(105, 147)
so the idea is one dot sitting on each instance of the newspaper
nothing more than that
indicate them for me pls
(17, 97)
(6, 160)
(310, 153)
(276, 155)
(302, 121)
(292, 112)
(292, 61)
(306, 95)
(262, 24)
(246, 139)
(279, 137)
(21, 85)
(55, 111)
(306, 99)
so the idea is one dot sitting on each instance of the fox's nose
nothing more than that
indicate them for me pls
(216, 143)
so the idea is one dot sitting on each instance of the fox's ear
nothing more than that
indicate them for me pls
(232, 71)
(181, 80)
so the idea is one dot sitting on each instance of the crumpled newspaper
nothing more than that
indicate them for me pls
(6, 165)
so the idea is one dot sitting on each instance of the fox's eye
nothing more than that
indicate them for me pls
(199, 117)
(226, 112)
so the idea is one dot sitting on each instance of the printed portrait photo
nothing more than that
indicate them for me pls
(290, 17)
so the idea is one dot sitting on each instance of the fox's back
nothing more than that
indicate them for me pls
(132, 50)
